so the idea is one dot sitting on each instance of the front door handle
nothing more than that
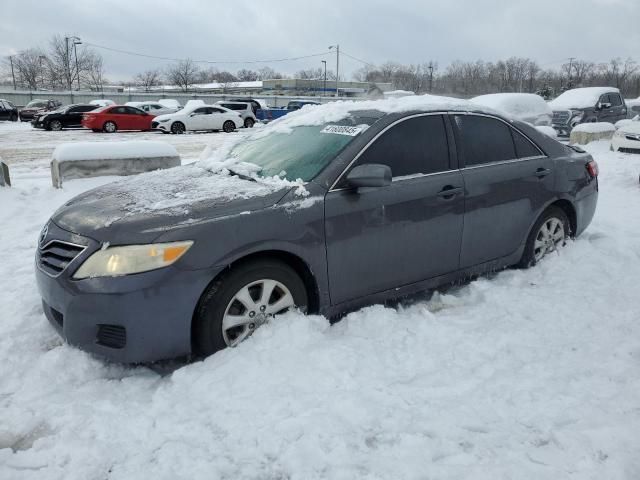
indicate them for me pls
(449, 191)
(542, 172)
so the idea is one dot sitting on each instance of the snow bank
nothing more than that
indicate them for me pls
(111, 150)
(580, 98)
(594, 127)
(398, 93)
(522, 374)
(550, 131)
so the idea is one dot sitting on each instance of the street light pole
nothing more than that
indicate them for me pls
(13, 75)
(324, 85)
(76, 41)
(337, 47)
(67, 61)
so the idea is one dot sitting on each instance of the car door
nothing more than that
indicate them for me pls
(137, 119)
(73, 117)
(606, 109)
(218, 117)
(618, 108)
(507, 181)
(379, 239)
(197, 120)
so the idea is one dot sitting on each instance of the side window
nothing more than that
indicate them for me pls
(414, 146)
(615, 99)
(200, 111)
(119, 110)
(86, 108)
(217, 110)
(524, 148)
(604, 98)
(3, 106)
(484, 140)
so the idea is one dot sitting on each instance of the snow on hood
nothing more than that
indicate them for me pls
(580, 98)
(517, 104)
(630, 126)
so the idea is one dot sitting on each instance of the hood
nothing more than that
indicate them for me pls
(139, 209)
(632, 128)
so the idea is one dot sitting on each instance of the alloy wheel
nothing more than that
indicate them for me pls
(253, 305)
(550, 236)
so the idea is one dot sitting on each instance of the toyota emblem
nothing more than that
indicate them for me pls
(43, 234)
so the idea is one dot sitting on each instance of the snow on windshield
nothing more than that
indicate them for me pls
(580, 98)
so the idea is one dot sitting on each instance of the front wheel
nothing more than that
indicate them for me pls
(228, 126)
(242, 300)
(55, 125)
(178, 128)
(110, 127)
(549, 234)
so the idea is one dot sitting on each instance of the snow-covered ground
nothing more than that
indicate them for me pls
(524, 375)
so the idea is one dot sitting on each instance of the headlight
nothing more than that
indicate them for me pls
(577, 114)
(116, 261)
(164, 120)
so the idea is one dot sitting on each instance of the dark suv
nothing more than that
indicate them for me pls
(582, 105)
(371, 206)
(8, 111)
(36, 107)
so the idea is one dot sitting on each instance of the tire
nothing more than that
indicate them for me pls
(55, 125)
(212, 333)
(539, 244)
(178, 128)
(228, 126)
(249, 123)
(110, 127)
(13, 118)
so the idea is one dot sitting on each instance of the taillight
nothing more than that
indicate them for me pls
(592, 168)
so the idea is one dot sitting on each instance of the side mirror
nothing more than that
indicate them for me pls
(603, 105)
(369, 175)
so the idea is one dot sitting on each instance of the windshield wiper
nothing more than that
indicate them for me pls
(242, 176)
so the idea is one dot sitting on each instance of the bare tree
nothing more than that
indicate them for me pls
(184, 74)
(148, 79)
(247, 75)
(29, 69)
(94, 74)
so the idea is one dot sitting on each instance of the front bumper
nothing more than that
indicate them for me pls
(562, 130)
(131, 319)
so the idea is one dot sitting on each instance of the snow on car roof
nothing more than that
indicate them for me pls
(580, 97)
(310, 115)
(514, 103)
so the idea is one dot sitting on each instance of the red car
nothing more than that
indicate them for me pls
(117, 117)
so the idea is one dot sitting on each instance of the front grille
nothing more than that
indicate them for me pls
(561, 117)
(154, 124)
(112, 336)
(56, 255)
(629, 150)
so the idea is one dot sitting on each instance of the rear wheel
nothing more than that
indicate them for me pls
(242, 300)
(549, 233)
(110, 127)
(228, 126)
(178, 128)
(55, 125)
(248, 123)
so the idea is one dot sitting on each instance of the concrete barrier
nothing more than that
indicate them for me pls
(97, 159)
(5, 179)
(591, 132)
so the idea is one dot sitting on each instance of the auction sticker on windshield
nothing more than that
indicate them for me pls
(342, 130)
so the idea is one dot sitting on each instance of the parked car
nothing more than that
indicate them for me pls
(170, 103)
(255, 104)
(8, 111)
(527, 107)
(65, 117)
(198, 118)
(102, 102)
(120, 117)
(627, 137)
(36, 107)
(266, 115)
(244, 109)
(192, 260)
(298, 104)
(581, 105)
(153, 108)
(633, 107)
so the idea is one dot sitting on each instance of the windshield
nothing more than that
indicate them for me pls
(35, 104)
(302, 152)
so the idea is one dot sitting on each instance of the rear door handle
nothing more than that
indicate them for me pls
(542, 172)
(449, 191)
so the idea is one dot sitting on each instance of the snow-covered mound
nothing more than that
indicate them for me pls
(594, 127)
(580, 98)
(113, 150)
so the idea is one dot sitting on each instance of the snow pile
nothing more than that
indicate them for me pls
(398, 93)
(550, 131)
(580, 98)
(112, 150)
(594, 127)
(192, 105)
(520, 105)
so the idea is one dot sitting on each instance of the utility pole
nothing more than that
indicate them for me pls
(430, 67)
(337, 47)
(324, 85)
(13, 75)
(76, 41)
(67, 62)
(569, 84)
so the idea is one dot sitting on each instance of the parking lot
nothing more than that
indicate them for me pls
(519, 374)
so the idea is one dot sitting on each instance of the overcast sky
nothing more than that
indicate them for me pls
(407, 31)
